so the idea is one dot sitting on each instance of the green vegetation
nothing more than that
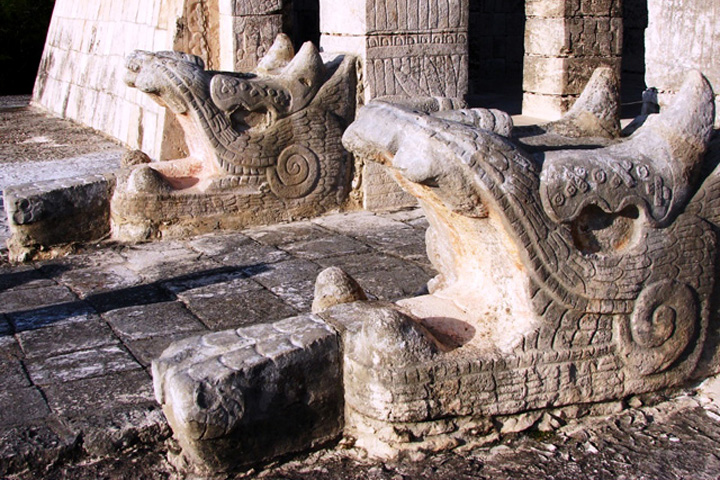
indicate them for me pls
(23, 27)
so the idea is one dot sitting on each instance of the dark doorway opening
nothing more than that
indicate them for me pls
(635, 21)
(23, 28)
(496, 49)
(302, 18)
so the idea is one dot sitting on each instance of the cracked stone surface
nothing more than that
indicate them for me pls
(673, 441)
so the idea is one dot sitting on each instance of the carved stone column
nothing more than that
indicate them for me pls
(565, 41)
(247, 29)
(409, 48)
(197, 31)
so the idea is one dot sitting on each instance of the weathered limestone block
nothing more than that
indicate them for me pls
(46, 217)
(681, 36)
(333, 287)
(545, 8)
(255, 7)
(264, 146)
(415, 48)
(197, 31)
(248, 29)
(582, 273)
(240, 397)
(545, 35)
(248, 39)
(565, 41)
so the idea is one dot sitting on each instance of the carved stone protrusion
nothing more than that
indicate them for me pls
(287, 90)
(240, 397)
(333, 287)
(487, 119)
(583, 273)
(534, 307)
(655, 171)
(665, 321)
(390, 338)
(281, 53)
(596, 113)
(264, 146)
(296, 173)
(134, 157)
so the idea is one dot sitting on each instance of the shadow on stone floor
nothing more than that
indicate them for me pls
(103, 302)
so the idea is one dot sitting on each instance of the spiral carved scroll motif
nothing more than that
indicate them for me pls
(662, 326)
(296, 173)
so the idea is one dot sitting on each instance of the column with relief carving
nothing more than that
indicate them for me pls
(247, 29)
(408, 48)
(682, 36)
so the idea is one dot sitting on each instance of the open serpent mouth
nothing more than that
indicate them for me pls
(245, 119)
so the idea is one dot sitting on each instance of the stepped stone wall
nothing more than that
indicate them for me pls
(82, 69)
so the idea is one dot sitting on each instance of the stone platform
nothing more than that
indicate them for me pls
(77, 335)
(36, 147)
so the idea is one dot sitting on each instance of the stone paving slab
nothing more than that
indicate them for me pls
(61, 313)
(80, 364)
(86, 334)
(275, 235)
(13, 374)
(21, 405)
(157, 319)
(148, 349)
(25, 299)
(222, 308)
(330, 246)
(108, 392)
(22, 276)
(31, 447)
(95, 280)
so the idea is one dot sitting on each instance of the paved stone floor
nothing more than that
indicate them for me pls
(77, 335)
